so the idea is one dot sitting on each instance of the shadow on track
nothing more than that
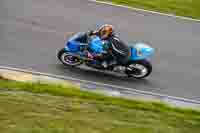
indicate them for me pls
(87, 73)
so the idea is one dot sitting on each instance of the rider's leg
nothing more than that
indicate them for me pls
(107, 60)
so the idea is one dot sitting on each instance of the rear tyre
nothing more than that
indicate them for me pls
(139, 69)
(68, 59)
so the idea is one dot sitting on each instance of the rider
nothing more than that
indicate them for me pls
(116, 47)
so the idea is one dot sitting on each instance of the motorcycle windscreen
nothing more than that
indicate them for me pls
(73, 46)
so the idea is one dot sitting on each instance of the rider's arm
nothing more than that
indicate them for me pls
(93, 33)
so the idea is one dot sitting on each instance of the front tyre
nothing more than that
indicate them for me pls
(68, 59)
(139, 69)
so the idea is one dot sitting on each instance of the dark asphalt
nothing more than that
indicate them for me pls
(31, 32)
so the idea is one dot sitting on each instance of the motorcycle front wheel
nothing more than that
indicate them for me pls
(68, 59)
(139, 69)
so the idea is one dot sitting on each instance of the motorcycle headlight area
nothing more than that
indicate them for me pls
(66, 48)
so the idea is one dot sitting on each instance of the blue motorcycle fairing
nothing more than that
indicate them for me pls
(141, 51)
(73, 45)
(95, 44)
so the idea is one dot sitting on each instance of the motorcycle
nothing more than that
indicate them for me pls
(74, 54)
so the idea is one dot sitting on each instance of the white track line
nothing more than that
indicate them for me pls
(148, 11)
(106, 85)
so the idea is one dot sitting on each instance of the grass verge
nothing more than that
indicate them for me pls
(84, 112)
(187, 8)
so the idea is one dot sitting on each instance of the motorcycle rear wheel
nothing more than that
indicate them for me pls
(139, 69)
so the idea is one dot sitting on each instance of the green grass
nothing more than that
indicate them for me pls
(188, 8)
(69, 110)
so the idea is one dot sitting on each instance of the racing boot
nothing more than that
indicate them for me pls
(107, 64)
(104, 64)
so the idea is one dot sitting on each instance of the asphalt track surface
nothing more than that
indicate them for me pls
(31, 32)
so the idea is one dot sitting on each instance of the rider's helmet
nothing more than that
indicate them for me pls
(105, 31)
